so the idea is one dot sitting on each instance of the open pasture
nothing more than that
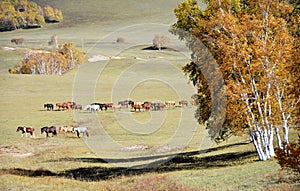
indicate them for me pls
(167, 141)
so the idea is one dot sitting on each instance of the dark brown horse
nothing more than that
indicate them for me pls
(26, 130)
(48, 130)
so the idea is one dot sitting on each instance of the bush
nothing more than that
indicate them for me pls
(289, 158)
(120, 40)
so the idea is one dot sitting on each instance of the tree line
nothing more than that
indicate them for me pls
(255, 46)
(16, 14)
(42, 62)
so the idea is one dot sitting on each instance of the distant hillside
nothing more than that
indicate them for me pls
(101, 11)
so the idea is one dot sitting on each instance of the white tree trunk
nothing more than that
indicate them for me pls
(279, 143)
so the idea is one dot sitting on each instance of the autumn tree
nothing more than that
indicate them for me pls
(25, 14)
(50, 62)
(253, 43)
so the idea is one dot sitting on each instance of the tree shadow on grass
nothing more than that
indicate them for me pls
(178, 163)
(170, 163)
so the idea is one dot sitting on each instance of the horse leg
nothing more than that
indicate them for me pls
(78, 134)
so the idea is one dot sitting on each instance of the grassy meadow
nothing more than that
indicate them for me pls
(156, 150)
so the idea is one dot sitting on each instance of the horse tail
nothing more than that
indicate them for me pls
(87, 133)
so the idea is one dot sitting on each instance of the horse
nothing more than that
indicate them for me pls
(70, 104)
(26, 130)
(147, 105)
(92, 108)
(183, 102)
(170, 103)
(158, 106)
(49, 106)
(136, 107)
(101, 106)
(82, 130)
(48, 130)
(78, 107)
(62, 106)
(126, 103)
(66, 129)
(109, 105)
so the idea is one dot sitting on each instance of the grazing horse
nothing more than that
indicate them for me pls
(49, 106)
(26, 130)
(82, 130)
(48, 130)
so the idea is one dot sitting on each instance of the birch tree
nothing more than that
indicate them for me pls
(254, 44)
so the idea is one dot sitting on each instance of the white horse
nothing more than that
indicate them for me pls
(82, 130)
(92, 108)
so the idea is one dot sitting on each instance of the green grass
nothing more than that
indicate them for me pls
(68, 163)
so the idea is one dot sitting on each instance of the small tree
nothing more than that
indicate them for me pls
(161, 41)
(54, 40)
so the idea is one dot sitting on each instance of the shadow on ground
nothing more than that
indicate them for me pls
(166, 163)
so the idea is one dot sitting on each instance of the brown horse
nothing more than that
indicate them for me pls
(26, 130)
(147, 106)
(136, 107)
(62, 106)
(109, 105)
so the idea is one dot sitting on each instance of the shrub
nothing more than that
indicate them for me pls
(120, 40)
(289, 157)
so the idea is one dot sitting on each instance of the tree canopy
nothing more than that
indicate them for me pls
(255, 44)
(15, 14)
